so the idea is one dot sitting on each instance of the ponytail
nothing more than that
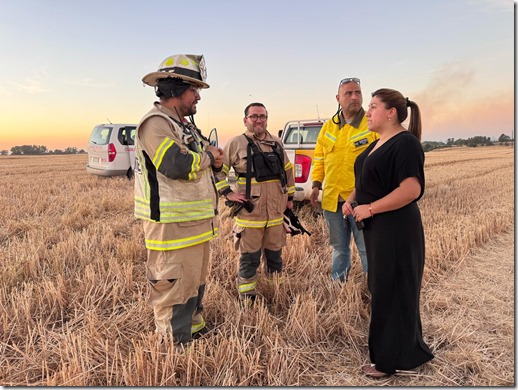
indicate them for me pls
(392, 98)
(415, 119)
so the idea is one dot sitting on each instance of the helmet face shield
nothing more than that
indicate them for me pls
(188, 67)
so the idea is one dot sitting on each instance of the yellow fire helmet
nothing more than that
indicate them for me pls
(188, 67)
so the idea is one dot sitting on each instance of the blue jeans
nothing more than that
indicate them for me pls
(340, 230)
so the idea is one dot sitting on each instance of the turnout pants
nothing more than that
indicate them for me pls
(177, 285)
(252, 244)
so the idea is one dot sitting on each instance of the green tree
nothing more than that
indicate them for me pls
(29, 149)
(479, 140)
(504, 138)
(70, 150)
(431, 145)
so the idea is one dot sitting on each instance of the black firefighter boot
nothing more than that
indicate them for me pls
(181, 321)
(247, 277)
(198, 322)
(273, 265)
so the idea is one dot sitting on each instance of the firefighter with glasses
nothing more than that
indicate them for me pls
(264, 189)
(176, 198)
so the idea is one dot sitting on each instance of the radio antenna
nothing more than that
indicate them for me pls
(318, 114)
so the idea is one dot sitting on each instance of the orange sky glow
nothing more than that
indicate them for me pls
(65, 72)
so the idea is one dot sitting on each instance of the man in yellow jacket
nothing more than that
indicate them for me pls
(176, 198)
(340, 141)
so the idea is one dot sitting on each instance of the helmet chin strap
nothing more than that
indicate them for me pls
(191, 134)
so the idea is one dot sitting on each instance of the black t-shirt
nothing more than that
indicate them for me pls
(380, 173)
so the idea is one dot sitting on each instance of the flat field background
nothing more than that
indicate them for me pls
(73, 292)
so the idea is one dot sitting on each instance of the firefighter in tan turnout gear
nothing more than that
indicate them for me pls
(264, 189)
(176, 197)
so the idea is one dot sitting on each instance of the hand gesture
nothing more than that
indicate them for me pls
(347, 209)
(313, 199)
(218, 155)
(236, 197)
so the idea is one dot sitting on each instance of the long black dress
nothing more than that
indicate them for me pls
(395, 253)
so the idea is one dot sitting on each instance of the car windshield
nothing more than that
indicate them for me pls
(306, 135)
(101, 135)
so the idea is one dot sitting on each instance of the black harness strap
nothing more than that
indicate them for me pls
(249, 167)
(252, 146)
(278, 150)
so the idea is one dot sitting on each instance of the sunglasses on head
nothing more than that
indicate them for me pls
(349, 79)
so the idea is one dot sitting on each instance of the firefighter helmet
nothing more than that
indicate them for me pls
(188, 67)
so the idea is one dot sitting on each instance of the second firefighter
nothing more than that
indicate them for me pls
(264, 189)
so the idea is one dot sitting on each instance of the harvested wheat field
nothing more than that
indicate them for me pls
(73, 292)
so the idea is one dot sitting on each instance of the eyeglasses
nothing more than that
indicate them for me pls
(254, 117)
(349, 79)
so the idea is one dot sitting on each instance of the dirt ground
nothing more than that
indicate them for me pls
(468, 322)
(474, 306)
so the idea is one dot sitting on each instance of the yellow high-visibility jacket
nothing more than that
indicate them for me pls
(336, 150)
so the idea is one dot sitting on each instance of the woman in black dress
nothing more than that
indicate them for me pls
(389, 182)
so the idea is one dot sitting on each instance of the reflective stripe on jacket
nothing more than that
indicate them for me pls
(179, 243)
(335, 153)
(173, 184)
(269, 197)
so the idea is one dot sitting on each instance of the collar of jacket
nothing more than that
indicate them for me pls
(267, 138)
(160, 107)
(355, 122)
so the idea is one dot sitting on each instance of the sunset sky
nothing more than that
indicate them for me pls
(68, 65)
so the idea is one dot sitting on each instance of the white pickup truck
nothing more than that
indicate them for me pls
(299, 138)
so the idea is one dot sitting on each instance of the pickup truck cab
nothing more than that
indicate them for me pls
(299, 138)
(111, 149)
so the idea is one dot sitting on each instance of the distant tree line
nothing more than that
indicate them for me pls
(471, 142)
(39, 150)
(427, 146)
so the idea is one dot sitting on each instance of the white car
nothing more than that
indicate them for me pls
(111, 149)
